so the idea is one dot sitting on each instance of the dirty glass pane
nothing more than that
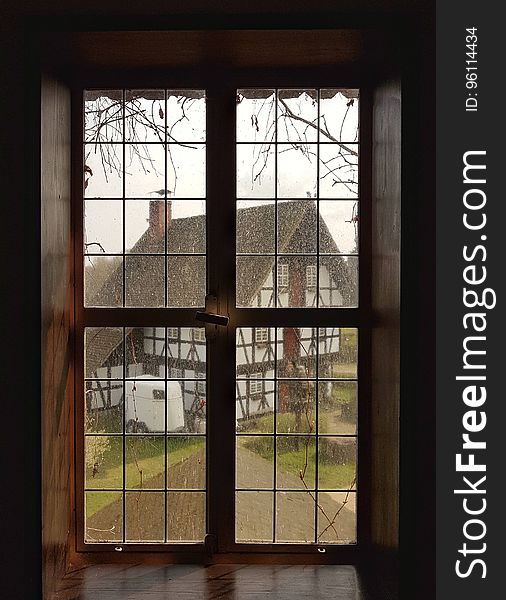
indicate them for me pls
(186, 281)
(145, 406)
(295, 517)
(186, 227)
(297, 224)
(338, 285)
(103, 520)
(296, 352)
(103, 462)
(186, 352)
(103, 171)
(255, 405)
(295, 462)
(254, 462)
(186, 171)
(103, 116)
(338, 227)
(297, 116)
(144, 171)
(186, 463)
(103, 227)
(145, 462)
(103, 406)
(255, 347)
(103, 281)
(256, 115)
(297, 170)
(255, 171)
(144, 230)
(295, 407)
(337, 463)
(194, 401)
(254, 283)
(338, 171)
(339, 112)
(144, 516)
(144, 277)
(338, 353)
(293, 290)
(144, 116)
(255, 227)
(339, 526)
(186, 116)
(253, 517)
(186, 516)
(337, 407)
(145, 352)
(103, 352)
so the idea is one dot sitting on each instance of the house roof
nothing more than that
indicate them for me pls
(296, 223)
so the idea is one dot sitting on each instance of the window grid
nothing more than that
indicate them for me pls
(313, 354)
(343, 293)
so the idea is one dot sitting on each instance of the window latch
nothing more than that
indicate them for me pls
(210, 314)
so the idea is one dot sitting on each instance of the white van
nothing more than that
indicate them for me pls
(145, 404)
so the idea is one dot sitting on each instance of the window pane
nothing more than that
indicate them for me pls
(295, 410)
(297, 115)
(255, 227)
(103, 352)
(337, 407)
(186, 116)
(103, 281)
(103, 406)
(295, 517)
(186, 171)
(103, 115)
(338, 227)
(254, 284)
(337, 463)
(186, 516)
(338, 353)
(253, 517)
(144, 231)
(296, 352)
(104, 517)
(297, 167)
(103, 171)
(186, 463)
(297, 226)
(338, 281)
(144, 516)
(144, 462)
(144, 116)
(145, 352)
(339, 112)
(255, 115)
(144, 276)
(338, 171)
(255, 406)
(186, 281)
(255, 171)
(337, 519)
(292, 289)
(295, 462)
(255, 462)
(103, 227)
(103, 462)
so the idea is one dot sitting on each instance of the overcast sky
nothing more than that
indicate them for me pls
(296, 168)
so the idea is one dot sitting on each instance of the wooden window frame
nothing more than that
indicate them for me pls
(220, 85)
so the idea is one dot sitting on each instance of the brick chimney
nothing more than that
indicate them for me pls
(157, 217)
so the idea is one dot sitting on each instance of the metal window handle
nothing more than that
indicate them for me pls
(210, 314)
(211, 318)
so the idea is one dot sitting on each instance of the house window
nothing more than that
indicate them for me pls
(256, 384)
(282, 275)
(172, 333)
(261, 335)
(199, 334)
(147, 260)
(311, 276)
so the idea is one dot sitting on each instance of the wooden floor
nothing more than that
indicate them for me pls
(234, 582)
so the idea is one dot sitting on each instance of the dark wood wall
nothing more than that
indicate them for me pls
(57, 302)
(386, 231)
